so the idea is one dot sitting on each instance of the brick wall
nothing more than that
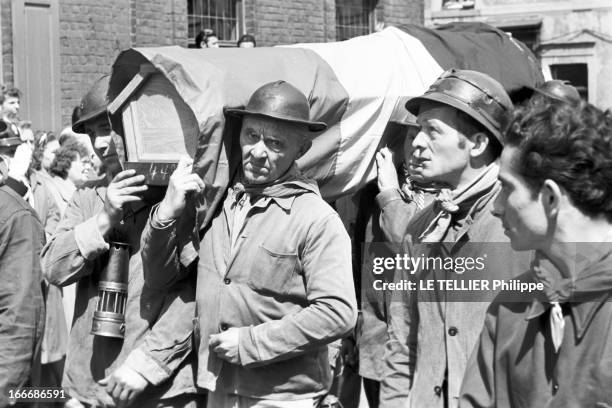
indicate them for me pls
(398, 12)
(159, 22)
(7, 42)
(91, 36)
(92, 33)
(284, 21)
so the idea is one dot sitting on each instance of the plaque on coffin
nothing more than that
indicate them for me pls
(158, 126)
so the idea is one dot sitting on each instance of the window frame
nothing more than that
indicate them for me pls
(371, 17)
(239, 28)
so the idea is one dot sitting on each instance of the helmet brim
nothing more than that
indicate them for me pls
(413, 105)
(310, 125)
(10, 141)
(567, 98)
(79, 125)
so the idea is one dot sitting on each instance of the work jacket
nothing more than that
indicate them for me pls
(286, 284)
(156, 343)
(515, 364)
(432, 333)
(22, 309)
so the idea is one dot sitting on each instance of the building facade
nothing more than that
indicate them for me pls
(572, 39)
(53, 50)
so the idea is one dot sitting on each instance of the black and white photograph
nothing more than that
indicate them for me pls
(305, 204)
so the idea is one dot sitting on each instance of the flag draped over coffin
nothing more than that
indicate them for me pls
(354, 86)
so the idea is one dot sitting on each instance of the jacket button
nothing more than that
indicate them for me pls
(453, 331)
(227, 281)
(438, 390)
(224, 327)
(556, 387)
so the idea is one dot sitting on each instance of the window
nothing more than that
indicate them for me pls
(528, 35)
(354, 18)
(222, 16)
(457, 4)
(575, 74)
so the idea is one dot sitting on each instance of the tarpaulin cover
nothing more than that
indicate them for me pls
(354, 86)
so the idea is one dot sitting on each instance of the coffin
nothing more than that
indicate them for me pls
(158, 126)
(170, 101)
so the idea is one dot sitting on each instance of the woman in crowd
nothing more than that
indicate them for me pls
(69, 170)
(45, 145)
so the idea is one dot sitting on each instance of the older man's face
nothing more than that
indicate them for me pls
(269, 148)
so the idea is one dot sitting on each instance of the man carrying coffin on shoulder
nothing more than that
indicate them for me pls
(461, 118)
(275, 281)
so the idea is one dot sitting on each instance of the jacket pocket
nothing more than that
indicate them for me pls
(271, 271)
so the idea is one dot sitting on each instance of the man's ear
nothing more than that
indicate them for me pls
(551, 195)
(480, 143)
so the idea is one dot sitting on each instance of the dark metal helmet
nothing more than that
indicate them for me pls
(474, 93)
(93, 104)
(281, 101)
(559, 90)
(8, 135)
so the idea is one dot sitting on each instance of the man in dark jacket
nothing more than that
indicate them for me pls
(22, 310)
(552, 348)
(432, 332)
(150, 366)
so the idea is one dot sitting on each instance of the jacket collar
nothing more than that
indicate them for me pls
(282, 192)
(583, 294)
(478, 205)
(283, 202)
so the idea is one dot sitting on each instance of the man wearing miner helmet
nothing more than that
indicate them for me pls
(143, 367)
(431, 333)
(274, 273)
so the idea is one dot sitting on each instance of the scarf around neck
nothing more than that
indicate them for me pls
(290, 184)
(593, 278)
(449, 202)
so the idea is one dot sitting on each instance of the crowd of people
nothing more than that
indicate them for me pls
(271, 304)
(208, 38)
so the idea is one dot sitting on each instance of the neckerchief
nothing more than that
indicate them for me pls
(593, 277)
(292, 183)
(412, 191)
(448, 202)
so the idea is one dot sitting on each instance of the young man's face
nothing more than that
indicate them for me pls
(440, 152)
(519, 207)
(10, 107)
(99, 131)
(269, 148)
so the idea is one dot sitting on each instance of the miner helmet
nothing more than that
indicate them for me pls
(93, 104)
(281, 101)
(8, 137)
(558, 90)
(474, 93)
